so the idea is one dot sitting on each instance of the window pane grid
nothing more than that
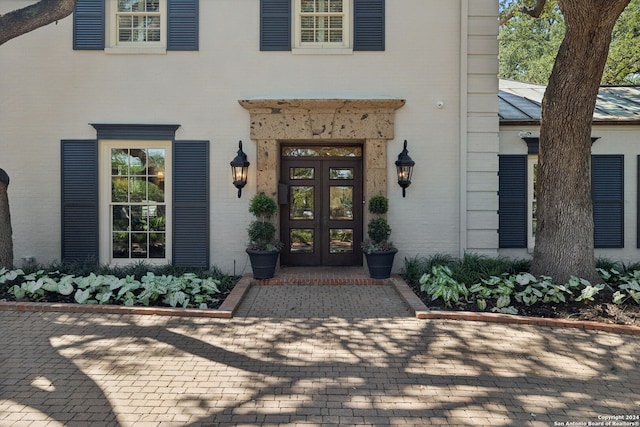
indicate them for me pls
(138, 211)
(321, 21)
(138, 21)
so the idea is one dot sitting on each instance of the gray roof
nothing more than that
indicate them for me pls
(521, 103)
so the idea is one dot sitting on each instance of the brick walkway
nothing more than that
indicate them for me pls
(308, 364)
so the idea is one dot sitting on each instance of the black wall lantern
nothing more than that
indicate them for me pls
(404, 166)
(239, 169)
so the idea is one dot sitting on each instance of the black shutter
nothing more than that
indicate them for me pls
(79, 200)
(607, 189)
(275, 25)
(191, 203)
(88, 25)
(368, 25)
(182, 25)
(512, 201)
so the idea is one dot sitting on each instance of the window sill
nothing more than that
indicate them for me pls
(135, 50)
(321, 51)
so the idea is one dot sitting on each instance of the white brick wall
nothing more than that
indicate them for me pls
(50, 92)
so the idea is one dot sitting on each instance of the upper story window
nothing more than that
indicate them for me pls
(139, 22)
(328, 26)
(322, 23)
(136, 26)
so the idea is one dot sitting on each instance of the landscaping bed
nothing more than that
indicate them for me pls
(482, 284)
(626, 314)
(135, 285)
(474, 283)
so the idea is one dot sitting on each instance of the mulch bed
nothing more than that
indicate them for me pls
(57, 298)
(625, 314)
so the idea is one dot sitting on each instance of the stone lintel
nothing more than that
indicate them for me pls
(326, 119)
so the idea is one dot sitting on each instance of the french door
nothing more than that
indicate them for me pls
(321, 210)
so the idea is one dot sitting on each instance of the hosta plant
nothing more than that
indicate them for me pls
(173, 291)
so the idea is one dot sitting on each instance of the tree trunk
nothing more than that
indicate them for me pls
(6, 241)
(564, 236)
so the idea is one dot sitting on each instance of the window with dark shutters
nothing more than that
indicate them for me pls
(607, 181)
(80, 198)
(276, 25)
(89, 30)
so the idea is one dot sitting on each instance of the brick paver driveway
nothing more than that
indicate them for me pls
(133, 370)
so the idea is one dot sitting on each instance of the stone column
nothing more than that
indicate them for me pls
(375, 171)
(267, 171)
(268, 165)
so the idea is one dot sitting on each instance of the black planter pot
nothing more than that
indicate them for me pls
(380, 263)
(263, 263)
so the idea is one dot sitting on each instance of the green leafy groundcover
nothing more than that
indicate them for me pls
(503, 286)
(202, 289)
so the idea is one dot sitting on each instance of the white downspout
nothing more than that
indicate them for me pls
(464, 69)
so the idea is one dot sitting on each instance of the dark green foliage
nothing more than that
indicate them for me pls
(469, 270)
(528, 46)
(378, 230)
(607, 264)
(378, 205)
(262, 206)
(415, 267)
(634, 266)
(474, 267)
(261, 233)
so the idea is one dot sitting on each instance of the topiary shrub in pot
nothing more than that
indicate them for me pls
(378, 250)
(263, 248)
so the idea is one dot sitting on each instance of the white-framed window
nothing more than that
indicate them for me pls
(137, 25)
(532, 219)
(322, 25)
(135, 201)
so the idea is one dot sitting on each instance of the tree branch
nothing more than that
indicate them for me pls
(29, 18)
(534, 11)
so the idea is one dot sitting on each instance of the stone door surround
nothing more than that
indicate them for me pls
(330, 121)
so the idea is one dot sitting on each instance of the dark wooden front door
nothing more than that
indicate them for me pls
(321, 222)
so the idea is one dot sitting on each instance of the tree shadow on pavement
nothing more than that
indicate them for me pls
(124, 370)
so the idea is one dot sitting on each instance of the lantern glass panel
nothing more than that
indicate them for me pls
(404, 173)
